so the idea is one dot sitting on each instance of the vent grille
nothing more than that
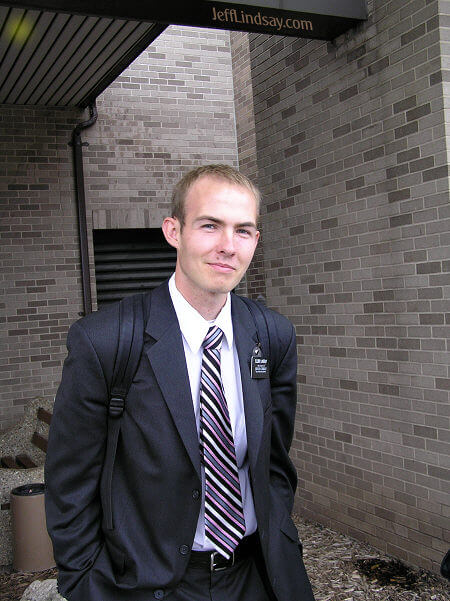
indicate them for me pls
(130, 261)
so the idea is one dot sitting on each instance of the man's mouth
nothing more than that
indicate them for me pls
(222, 267)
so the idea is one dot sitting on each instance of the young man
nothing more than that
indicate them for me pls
(203, 485)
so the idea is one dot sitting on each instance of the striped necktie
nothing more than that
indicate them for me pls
(224, 516)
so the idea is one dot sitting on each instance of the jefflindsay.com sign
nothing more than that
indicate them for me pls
(321, 19)
(238, 17)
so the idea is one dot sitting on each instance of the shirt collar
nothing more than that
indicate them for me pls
(193, 326)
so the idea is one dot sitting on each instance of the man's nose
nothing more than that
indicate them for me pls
(226, 244)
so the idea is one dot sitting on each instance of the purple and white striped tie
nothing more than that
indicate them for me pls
(224, 516)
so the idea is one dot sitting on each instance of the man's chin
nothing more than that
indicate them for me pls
(224, 287)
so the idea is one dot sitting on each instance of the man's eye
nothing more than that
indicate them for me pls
(209, 226)
(244, 232)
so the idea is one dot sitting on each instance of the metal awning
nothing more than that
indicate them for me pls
(66, 52)
(59, 59)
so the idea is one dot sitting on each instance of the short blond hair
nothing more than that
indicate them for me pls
(224, 172)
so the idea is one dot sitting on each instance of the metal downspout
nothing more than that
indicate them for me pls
(80, 195)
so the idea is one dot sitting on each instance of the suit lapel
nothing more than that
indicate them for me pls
(166, 356)
(244, 331)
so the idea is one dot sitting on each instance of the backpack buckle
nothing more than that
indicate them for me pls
(116, 406)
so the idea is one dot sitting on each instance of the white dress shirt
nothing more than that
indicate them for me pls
(194, 329)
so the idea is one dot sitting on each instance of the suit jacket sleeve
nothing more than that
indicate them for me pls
(74, 460)
(283, 476)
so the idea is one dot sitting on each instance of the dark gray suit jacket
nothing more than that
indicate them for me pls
(156, 481)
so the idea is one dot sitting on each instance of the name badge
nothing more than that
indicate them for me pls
(259, 365)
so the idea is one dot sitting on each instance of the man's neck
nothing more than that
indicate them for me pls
(207, 304)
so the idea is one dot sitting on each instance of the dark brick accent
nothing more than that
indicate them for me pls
(288, 112)
(398, 220)
(429, 267)
(418, 112)
(319, 96)
(343, 437)
(443, 383)
(378, 66)
(344, 297)
(439, 472)
(388, 389)
(356, 53)
(436, 78)
(370, 432)
(405, 104)
(303, 83)
(317, 309)
(398, 355)
(332, 266)
(272, 207)
(341, 131)
(425, 431)
(436, 173)
(408, 155)
(373, 307)
(397, 171)
(296, 230)
(388, 366)
(300, 137)
(308, 165)
(275, 99)
(375, 153)
(291, 151)
(383, 295)
(421, 164)
(399, 195)
(413, 34)
(406, 130)
(294, 190)
(352, 184)
(431, 319)
(338, 352)
(329, 223)
(348, 384)
(348, 93)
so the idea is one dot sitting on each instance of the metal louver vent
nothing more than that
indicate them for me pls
(129, 261)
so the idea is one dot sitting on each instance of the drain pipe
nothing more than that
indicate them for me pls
(77, 147)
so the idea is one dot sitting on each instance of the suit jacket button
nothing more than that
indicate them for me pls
(159, 593)
(195, 494)
(184, 549)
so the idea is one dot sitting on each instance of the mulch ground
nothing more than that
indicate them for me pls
(13, 584)
(340, 569)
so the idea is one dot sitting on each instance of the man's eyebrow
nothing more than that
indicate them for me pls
(219, 221)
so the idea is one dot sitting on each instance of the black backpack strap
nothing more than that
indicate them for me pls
(264, 326)
(445, 565)
(129, 349)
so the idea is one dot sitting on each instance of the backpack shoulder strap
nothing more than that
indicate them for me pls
(129, 349)
(264, 326)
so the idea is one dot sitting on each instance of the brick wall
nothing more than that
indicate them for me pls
(171, 110)
(352, 159)
(38, 254)
(253, 284)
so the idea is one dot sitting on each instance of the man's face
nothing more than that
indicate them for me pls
(218, 239)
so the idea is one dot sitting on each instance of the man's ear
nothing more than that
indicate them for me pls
(171, 230)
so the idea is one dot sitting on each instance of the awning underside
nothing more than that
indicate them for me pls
(59, 59)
